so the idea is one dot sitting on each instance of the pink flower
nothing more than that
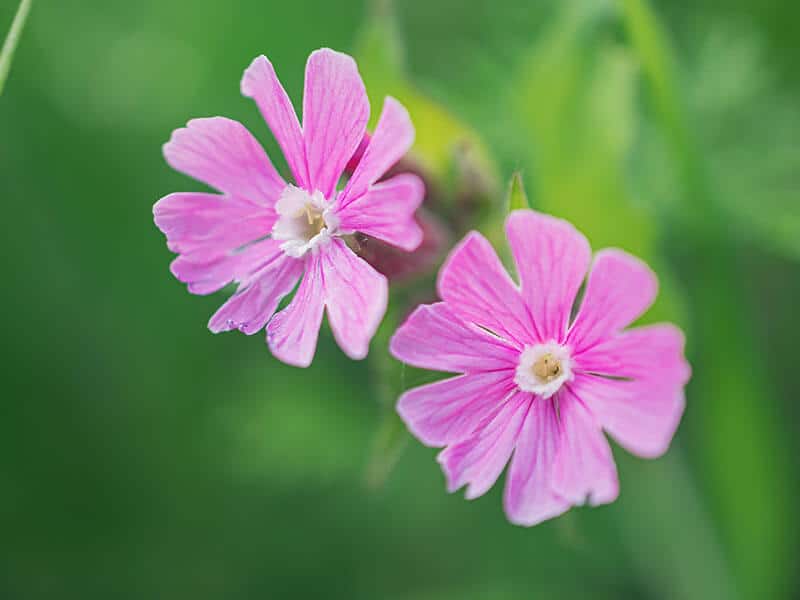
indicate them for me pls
(535, 382)
(265, 234)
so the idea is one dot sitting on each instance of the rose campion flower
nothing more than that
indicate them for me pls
(266, 234)
(534, 382)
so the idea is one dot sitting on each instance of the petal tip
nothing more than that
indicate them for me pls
(257, 68)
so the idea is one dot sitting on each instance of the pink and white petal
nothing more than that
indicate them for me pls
(529, 497)
(449, 411)
(335, 115)
(356, 296)
(650, 352)
(223, 154)
(260, 83)
(584, 471)
(641, 415)
(552, 258)
(620, 288)
(433, 337)
(210, 225)
(292, 333)
(386, 212)
(478, 461)
(477, 288)
(249, 309)
(392, 138)
(207, 271)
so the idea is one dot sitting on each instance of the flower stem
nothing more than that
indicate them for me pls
(7, 53)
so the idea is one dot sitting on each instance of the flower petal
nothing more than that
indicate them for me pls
(292, 333)
(249, 309)
(584, 469)
(223, 154)
(641, 415)
(433, 337)
(653, 351)
(551, 257)
(620, 288)
(356, 296)
(335, 115)
(529, 498)
(449, 411)
(479, 460)
(260, 83)
(477, 288)
(386, 212)
(392, 138)
(210, 225)
(207, 272)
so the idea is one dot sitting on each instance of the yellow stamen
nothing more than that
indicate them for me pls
(315, 221)
(547, 368)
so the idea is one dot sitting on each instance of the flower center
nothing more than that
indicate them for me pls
(547, 368)
(304, 221)
(543, 369)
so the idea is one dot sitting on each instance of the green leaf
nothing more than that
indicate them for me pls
(10, 45)
(516, 198)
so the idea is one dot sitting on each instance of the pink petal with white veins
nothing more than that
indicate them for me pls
(449, 411)
(392, 138)
(433, 337)
(205, 274)
(386, 212)
(584, 469)
(650, 352)
(641, 415)
(552, 258)
(292, 333)
(210, 225)
(249, 309)
(356, 296)
(223, 154)
(479, 460)
(620, 288)
(477, 288)
(335, 115)
(262, 85)
(529, 498)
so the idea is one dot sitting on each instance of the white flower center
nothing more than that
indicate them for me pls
(543, 369)
(305, 221)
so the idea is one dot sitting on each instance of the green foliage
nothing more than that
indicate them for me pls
(441, 138)
(756, 517)
(580, 137)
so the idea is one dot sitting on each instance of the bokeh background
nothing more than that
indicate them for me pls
(143, 457)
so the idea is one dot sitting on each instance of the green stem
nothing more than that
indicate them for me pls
(7, 53)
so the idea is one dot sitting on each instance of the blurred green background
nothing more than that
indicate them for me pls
(143, 457)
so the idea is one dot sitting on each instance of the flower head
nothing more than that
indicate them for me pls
(266, 234)
(534, 382)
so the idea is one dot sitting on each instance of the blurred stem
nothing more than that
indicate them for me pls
(388, 444)
(7, 53)
(390, 437)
